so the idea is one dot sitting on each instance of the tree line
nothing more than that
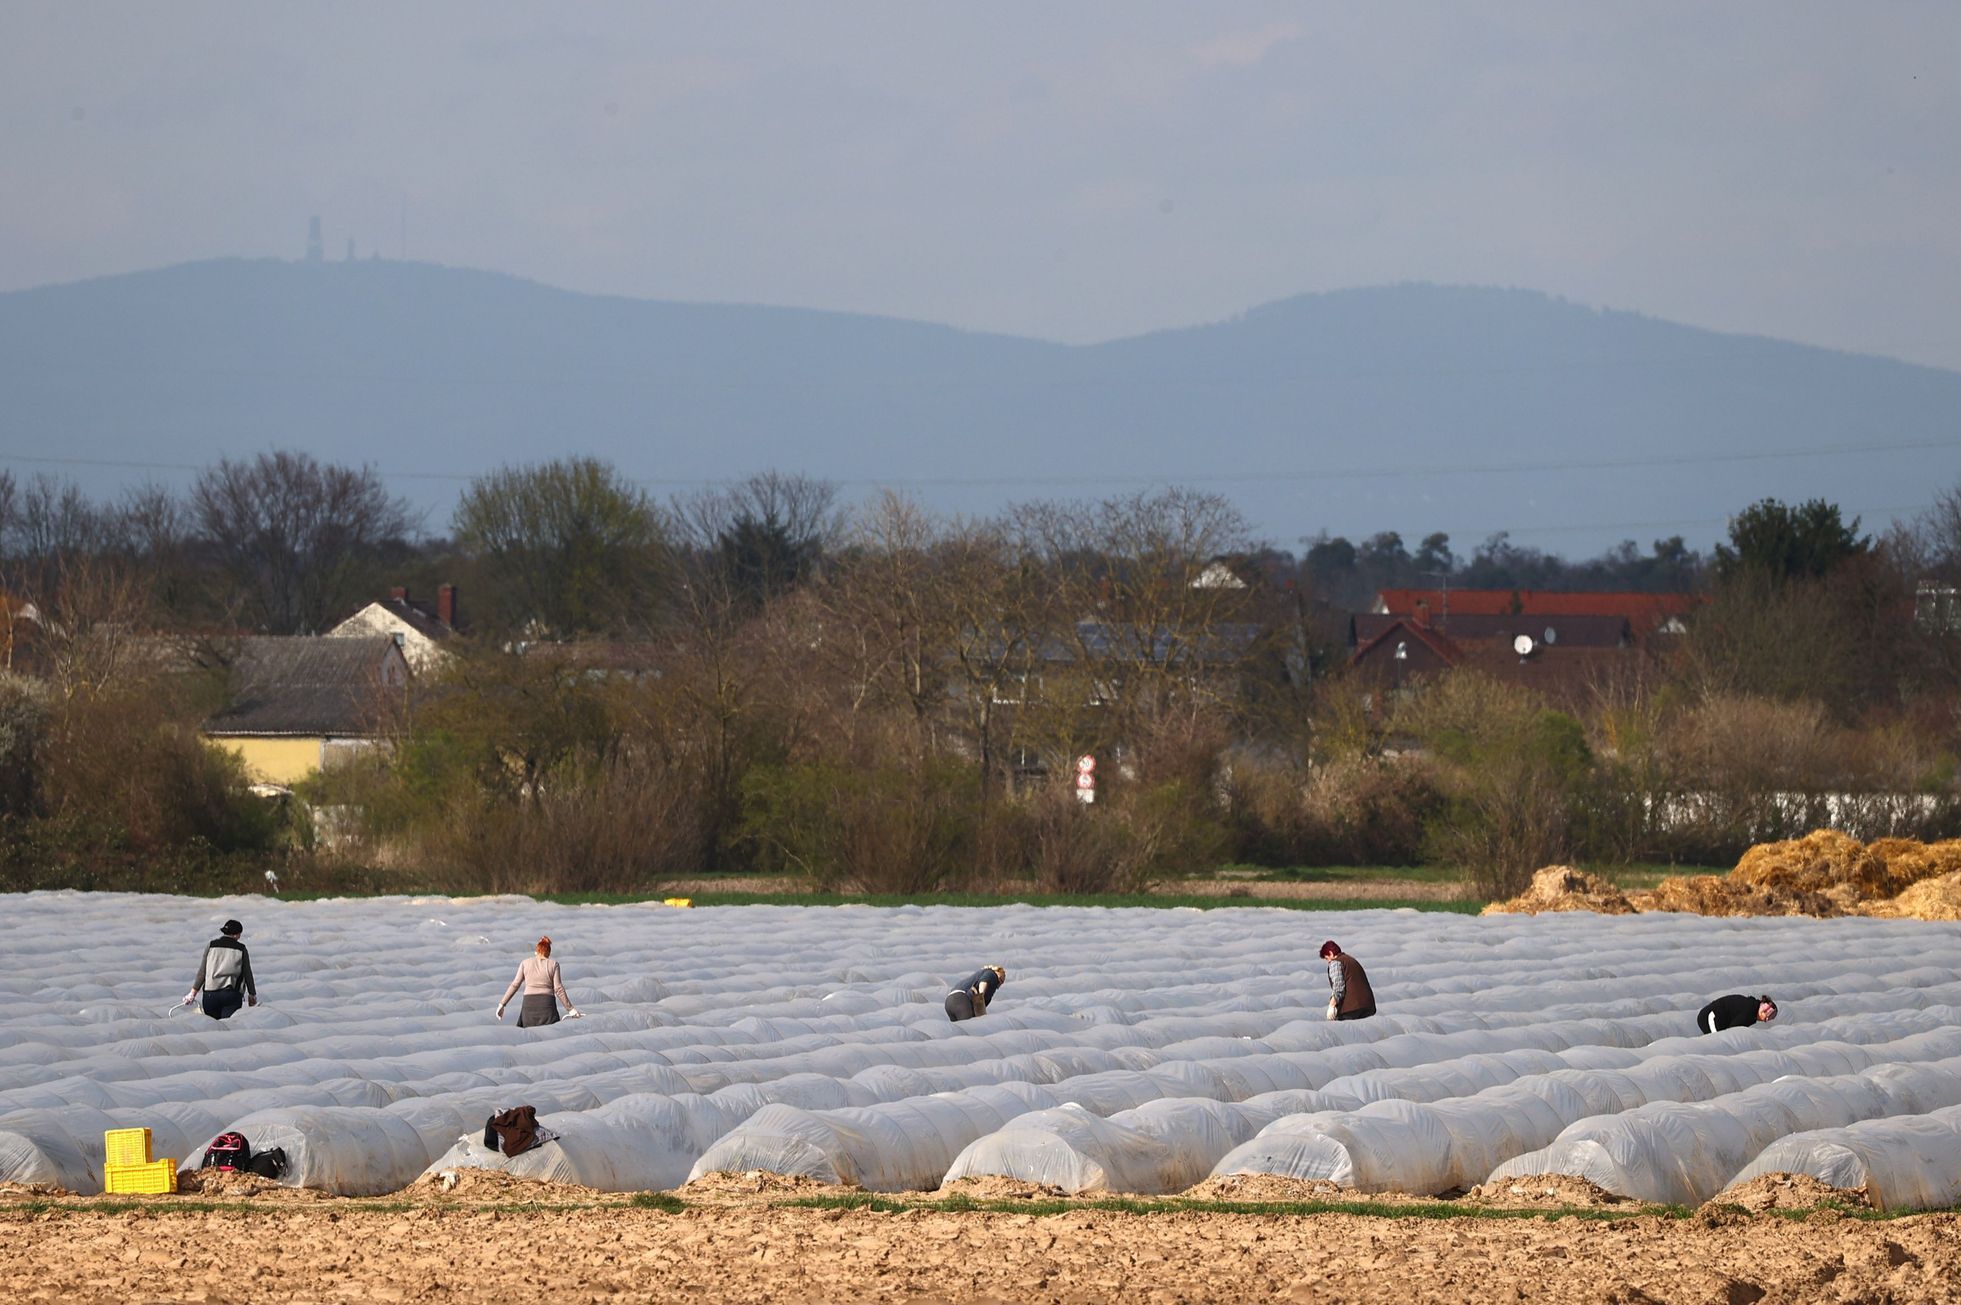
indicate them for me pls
(758, 677)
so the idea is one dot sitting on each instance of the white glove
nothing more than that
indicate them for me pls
(573, 1015)
(1331, 1010)
(500, 1014)
(189, 997)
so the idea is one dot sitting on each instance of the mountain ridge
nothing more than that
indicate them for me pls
(414, 366)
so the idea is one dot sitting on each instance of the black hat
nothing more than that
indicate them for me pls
(232, 928)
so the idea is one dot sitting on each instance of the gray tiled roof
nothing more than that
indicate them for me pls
(305, 686)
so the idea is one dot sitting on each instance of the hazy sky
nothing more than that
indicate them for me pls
(1073, 171)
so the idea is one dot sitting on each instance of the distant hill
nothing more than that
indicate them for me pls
(429, 372)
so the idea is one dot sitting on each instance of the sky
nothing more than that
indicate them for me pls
(1074, 172)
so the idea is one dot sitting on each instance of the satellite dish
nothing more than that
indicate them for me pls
(1522, 645)
(1552, 635)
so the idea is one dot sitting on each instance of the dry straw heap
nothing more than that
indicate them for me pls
(1825, 873)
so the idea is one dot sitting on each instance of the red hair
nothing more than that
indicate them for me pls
(544, 947)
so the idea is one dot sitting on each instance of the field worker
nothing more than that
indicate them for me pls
(1352, 998)
(224, 974)
(969, 1000)
(1735, 1011)
(543, 988)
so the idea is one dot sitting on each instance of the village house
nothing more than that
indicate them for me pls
(300, 704)
(1645, 614)
(1564, 645)
(420, 628)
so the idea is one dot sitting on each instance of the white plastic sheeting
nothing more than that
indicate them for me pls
(1908, 1162)
(1130, 1050)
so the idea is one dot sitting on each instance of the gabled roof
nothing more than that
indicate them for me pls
(1646, 613)
(310, 686)
(410, 613)
(1566, 631)
(1410, 628)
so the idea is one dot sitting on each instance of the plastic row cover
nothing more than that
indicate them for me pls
(1902, 1163)
(1683, 1153)
(1412, 1146)
(373, 1050)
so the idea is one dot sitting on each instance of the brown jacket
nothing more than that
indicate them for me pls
(1355, 991)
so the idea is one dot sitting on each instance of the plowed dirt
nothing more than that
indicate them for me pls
(1792, 1192)
(448, 1251)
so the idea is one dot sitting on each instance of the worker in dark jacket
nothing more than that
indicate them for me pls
(969, 1000)
(1736, 1011)
(1351, 997)
(224, 975)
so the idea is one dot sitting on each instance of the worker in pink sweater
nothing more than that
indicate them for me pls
(543, 988)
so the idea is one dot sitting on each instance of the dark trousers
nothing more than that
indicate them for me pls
(960, 1006)
(222, 1003)
(1361, 1014)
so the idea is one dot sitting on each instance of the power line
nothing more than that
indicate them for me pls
(1207, 478)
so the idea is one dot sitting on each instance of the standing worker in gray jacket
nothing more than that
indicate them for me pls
(1352, 998)
(224, 971)
(969, 1000)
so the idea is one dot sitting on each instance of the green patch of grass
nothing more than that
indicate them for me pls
(1156, 901)
(1346, 874)
(1183, 1204)
(665, 1202)
(1645, 875)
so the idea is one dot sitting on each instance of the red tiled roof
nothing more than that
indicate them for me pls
(1437, 643)
(1644, 611)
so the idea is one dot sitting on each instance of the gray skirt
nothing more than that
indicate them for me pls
(539, 1008)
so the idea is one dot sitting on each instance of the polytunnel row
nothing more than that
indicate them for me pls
(1430, 1147)
(357, 1150)
(1910, 1163)
(908, 1142)
(377, 1058)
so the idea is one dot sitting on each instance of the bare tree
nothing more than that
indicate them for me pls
(93, 623)
(1155, 611)
(48, 523)
(749, 541)
(296, 536)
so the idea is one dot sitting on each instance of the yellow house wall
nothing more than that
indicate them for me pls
(275, 761)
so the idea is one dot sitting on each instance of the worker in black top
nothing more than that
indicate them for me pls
(1735, 1011)
(969, 1000)
(224, 975)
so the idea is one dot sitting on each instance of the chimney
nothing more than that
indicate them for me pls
(400, 594)
(446, 605)
(1423, 612)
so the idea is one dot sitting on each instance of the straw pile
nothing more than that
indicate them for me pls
(1825, 873)
(1563, 888)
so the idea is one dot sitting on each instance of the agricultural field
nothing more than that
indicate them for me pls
(790, 1072)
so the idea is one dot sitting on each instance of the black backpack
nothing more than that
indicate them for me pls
(270, 1164)
(229, 1151)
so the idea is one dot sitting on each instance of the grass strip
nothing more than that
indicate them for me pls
(1185, 1204)
(1155, 901)
(163, 1205)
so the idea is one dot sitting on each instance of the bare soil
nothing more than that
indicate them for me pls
(1793, 1192)
(442, 1250)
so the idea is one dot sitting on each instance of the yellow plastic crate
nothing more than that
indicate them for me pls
(149, 1179)
(127, 1146)
(679, 901)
